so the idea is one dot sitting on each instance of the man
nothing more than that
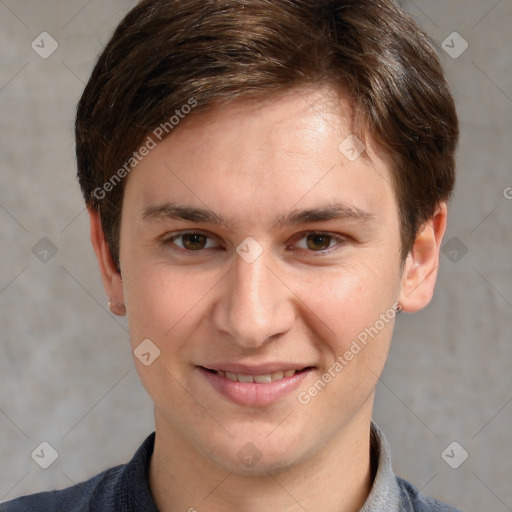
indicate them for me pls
(267, 185)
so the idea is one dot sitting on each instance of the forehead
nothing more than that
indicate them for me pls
(297, 147)
(274, 123)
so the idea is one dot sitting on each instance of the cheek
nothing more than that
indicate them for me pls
(347, 303)
(162, 301)
(165, 307)
(354, 318)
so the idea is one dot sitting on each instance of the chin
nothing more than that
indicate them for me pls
(257, 455)
(260, 466)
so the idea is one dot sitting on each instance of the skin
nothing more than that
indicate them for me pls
(250, 163)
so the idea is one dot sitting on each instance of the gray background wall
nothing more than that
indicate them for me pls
(65, 367)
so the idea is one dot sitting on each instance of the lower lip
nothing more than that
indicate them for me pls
(254, 394)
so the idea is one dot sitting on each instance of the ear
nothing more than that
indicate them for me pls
(110, 275)
(420, 269)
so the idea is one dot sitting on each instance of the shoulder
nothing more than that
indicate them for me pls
(124, 487)
(415, 501)
(77, 498)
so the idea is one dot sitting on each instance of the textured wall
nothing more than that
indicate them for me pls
(66, 372)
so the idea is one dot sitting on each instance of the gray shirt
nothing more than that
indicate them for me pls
(126, 488)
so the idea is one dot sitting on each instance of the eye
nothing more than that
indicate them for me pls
(319, 242)
(191, 241)
(194, 241)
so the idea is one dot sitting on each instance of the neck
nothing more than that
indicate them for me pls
(338, 477)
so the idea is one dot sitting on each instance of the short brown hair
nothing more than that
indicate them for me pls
(167, 53)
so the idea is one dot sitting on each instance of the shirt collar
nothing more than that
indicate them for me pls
(385, 493)
(132, 490)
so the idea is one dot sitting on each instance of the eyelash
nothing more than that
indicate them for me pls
(169, 242)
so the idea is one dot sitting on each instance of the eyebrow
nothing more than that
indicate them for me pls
(336, 211)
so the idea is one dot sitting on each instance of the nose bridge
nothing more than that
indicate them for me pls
(255, 305)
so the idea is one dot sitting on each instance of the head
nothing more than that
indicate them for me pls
(234, 119)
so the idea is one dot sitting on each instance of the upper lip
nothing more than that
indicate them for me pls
(260, 369)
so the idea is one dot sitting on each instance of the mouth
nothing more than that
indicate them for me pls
(254, 387)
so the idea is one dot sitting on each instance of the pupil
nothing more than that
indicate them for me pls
(318, 242)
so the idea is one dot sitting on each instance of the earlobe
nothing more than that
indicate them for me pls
(110, 275)
(420, 269)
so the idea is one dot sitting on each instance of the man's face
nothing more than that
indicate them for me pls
(298, 255)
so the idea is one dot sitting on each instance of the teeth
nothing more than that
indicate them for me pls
(265, 379)
(262, 379)
(280, 375)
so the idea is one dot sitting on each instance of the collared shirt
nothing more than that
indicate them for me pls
(126, 488)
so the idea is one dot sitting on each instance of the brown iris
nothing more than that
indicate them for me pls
(194, 241)
(318, 242)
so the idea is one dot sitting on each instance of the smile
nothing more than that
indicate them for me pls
(256, 389)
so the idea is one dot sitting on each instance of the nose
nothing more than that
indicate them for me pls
(255, 304)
